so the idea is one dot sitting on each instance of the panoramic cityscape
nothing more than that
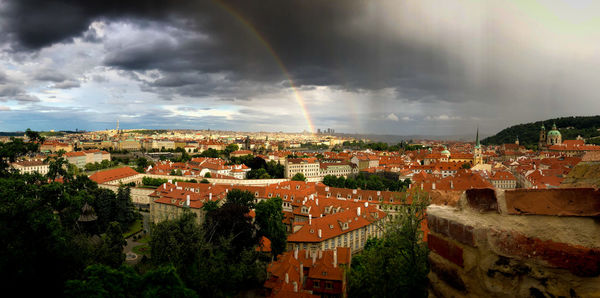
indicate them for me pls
(300, 148)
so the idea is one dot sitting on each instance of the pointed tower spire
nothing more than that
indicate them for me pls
(477, 145)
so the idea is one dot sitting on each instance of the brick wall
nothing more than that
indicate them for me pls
(516, 243)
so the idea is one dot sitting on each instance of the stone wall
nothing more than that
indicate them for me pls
(516, 243)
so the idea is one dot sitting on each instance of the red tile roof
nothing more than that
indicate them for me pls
(113, 174)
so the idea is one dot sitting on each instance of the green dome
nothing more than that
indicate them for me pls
(554, 133)
(446, 152)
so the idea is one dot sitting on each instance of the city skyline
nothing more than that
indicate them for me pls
(412, 68)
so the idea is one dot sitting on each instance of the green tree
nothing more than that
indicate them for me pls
(176, 241)
(269, 218)
(231, 148)
(241, 197)
(111, 250)
(466, 165)
(396, 265)
(103, 281)
(57, 166)
(207, 175)
(299, 177)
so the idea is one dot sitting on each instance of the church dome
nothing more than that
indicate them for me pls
(553, 133)
(446, 152)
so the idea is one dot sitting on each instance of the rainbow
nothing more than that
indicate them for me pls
(277, 59)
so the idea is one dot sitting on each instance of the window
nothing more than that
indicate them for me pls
(316, 284)
(328, 285)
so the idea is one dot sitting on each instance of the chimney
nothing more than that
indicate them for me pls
(433, 185)
(175, 183)
(310, 219)
(320, 254)
(317, 202)
(210, 196)
(451, 184)
(319, 231)
(358, 211)
(301, 273)
(314, 258)
(335, 258)
(421, 185)
(287, 278)
(187, 200)
(165, 185)
(296, 253)
(295, 286)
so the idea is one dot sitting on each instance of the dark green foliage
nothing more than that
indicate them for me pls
(176, 241)
(205, 181)
(176, 172)
(259, 167)
(207, 175)
(153, 181)
(111, 207)
(529, 133)
(231, 148)
(103, 281)
(299, 177)
(269, 218)
(396, 265)
(105, 164)
(210, 152)
(142, 164)
(370, 182)
(42, 240)
(111, 250)
(241, 197)
(217, 259)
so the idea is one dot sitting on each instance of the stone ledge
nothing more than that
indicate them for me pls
(579, 260)
(559, 201)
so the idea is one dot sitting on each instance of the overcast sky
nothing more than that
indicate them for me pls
(437, 67)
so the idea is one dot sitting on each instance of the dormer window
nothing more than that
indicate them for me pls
(328, 195)
(349, 196)
(370, 198)
(270, 195)
(391, 200)
(256, 194)
(285, 197)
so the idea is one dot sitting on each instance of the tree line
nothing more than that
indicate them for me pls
(368, 182)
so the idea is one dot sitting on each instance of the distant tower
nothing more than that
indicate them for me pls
(477, 155)
(117, 125)
(517, 141)
(247, 143)
(542, 142)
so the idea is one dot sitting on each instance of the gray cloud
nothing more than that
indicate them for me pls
(66, 85)
(499, 61)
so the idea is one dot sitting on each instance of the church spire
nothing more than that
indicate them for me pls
(477, 145)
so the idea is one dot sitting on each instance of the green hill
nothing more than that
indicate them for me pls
(529, 133)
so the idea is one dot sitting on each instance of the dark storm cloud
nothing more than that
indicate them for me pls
(429, 51)
(312, 38)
